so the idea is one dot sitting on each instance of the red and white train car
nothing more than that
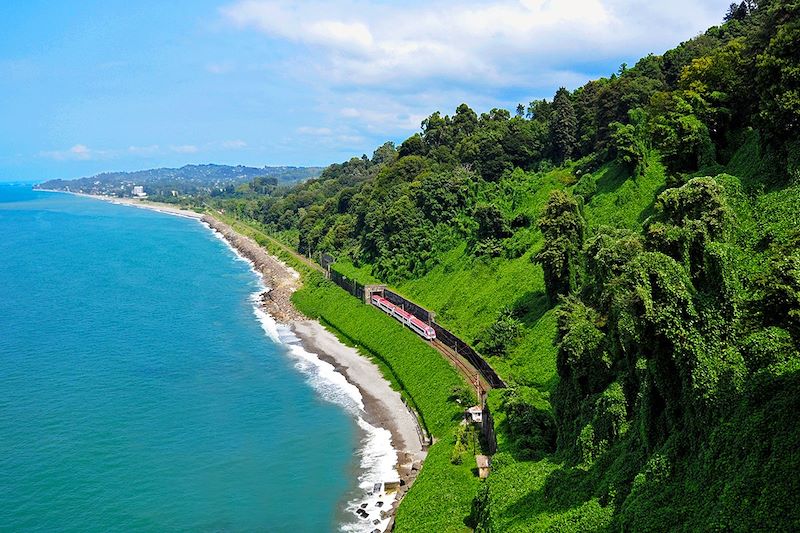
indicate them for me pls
(418, 326)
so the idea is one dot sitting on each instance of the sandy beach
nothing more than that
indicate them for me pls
(383, 406)
(135, 202)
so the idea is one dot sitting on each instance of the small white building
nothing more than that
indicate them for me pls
(138, 190)
(475, 414)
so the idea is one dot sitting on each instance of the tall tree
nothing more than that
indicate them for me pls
(564, 125)
(563, 228)
(464, 122)
(778, 73)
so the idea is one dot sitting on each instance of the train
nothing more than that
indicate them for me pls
(417, 326)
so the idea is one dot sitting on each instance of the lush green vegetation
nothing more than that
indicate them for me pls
(445, 490)
(412, 364)
(627, 255)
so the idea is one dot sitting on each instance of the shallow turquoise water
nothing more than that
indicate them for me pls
(137, 389)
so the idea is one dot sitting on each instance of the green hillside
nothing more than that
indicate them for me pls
(626, 256)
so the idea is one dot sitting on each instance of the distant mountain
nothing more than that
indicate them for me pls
(189, 179)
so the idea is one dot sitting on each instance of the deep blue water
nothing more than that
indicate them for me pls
(137, 389)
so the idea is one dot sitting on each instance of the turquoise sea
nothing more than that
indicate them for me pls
(138, 390)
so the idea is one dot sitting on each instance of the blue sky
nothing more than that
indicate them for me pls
(89, 86)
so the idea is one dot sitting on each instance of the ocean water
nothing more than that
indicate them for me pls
(141, 391)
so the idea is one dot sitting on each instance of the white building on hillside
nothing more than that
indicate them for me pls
(138, 190)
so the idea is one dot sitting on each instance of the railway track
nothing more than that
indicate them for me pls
(465, 368)
(462, 365)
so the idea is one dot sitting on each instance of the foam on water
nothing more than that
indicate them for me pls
(378, 457)
(330, 384)
(139, 391)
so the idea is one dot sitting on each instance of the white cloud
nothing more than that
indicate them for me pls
(281, 19)
(350, 139)
(79, 152)
(377, 69)
(490, 44)
(82, 152)
(144, 150)
(185, 149)
(236, 144)
(382, 114)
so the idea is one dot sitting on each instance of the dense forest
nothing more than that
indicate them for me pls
(627, 256)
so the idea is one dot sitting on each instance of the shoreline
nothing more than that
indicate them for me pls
(134, 202)
(383, 407)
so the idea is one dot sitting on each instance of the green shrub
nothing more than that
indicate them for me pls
(502, 334)
(529, 422)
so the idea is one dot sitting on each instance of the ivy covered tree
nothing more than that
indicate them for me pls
(680, 135)
(492, 228)
(628, 147)
(778, 73)
(562, 227)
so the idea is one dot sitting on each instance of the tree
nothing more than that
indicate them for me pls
(628, 143)
(562, 227)
(778, 73)
(498, 338)
(398, 239)
(737, 12)
(464, 122)
(385, 154)
(485, 149)
(682, 138)
(781, 293)
(440, 196)
(539, 110)
(491, 222)
(436, 130)
(564, 125)
(414, 145)
(524, 142)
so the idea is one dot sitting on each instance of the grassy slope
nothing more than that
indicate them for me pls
(467, 295)
(621, 201)
(521, 499)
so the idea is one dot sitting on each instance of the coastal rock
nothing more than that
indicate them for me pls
(281, 279)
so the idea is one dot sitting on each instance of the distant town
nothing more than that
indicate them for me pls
(170, 184)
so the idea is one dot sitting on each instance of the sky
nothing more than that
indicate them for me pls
(90, 86)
